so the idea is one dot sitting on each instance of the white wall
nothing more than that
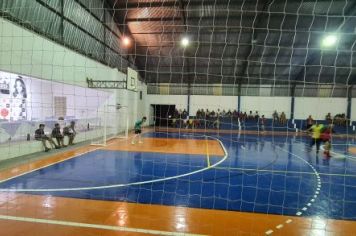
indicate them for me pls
(353, 109)
(318, 107)
(26, 53)
(266, 105)
(212, 103)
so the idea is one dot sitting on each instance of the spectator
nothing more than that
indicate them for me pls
(310, 122)
(198, 114)
(328, 118)
(216, 123)
(229, 113)
(70, 132)
(250, 116)
(184, 114)
(256, 115)
(275, 116)
(283, 118)
(41, 136)
(263, 123)
(56, 133)
(244, 116)
(223, 113)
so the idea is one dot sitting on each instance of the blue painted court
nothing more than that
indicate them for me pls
(261, 174)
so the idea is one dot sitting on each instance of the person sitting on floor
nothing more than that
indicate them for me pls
(41, 136)
(56, 133)
(70, 132)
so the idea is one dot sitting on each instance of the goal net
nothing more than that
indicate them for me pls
(232, 89)
(111, 123)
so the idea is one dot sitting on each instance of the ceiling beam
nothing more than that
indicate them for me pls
(257, 22)
(154, 19)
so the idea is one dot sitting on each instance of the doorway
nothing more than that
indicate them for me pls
(162, 114)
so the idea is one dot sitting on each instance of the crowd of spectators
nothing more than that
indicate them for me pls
(213, 119)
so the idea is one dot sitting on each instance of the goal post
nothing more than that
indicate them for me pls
(112, 123)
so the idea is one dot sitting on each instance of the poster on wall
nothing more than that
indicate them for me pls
(13, 97)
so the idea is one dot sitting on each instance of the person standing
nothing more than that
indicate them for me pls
(138, 130)
(315, 138)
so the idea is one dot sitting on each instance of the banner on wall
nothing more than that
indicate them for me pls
(13, 96)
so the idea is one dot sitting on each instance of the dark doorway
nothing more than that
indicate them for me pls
(162, 114)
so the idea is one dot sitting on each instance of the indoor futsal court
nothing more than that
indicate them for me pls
(177, 117)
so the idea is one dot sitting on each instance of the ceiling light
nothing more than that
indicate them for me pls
(185, 42)
(329, 41)
(126, 41)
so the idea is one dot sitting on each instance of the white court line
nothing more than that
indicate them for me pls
(71, 157)
(32, 170)
(93, 226)
(283, 171)
(121, 185)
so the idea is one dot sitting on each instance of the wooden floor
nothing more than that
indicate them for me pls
(25, 214)
(172, 146)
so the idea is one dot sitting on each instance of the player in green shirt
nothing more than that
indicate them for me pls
(138, 130)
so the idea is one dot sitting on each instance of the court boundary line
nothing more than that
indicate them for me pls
(311, 201)
(121, 185)
(48, 165)
(207, 152)
(93, 226)
(281, 171)
(57, 162)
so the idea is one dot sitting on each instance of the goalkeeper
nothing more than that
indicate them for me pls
(138, 130)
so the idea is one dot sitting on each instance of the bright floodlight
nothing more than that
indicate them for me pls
(126, 41)
(329, 41)
(185, 42)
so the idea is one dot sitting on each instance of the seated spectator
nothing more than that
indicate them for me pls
(212, 113)
(41, 136)
(223, 113)
(70, 132)
(189, 123)
(250, 116)
(174, 122)
(244, 116)
(56, 133)
(310, 122)
(275, 116)
(207, 114)
(229, 113)
(176, 113)
(283, 118)
(256, 115)
(343, 119)
(184, 114)
(196, 123)
(198, 114)
(328, 118)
